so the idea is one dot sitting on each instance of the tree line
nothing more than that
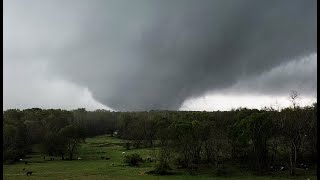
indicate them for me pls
(260, 140)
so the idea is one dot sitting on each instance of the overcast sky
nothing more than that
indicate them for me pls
(159, 54)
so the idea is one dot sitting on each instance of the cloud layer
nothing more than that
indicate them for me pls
(26, 85)
(269, 89)
(142, 55)
(297, 74)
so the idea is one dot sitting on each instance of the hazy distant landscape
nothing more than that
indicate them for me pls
(160, 89)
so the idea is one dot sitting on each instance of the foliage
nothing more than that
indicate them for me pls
(133, 159)
(92, 167)
(251, 138)
(256, 129)
(221, 171)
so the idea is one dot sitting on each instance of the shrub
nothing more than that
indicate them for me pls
(162, 168)
(181, 163)
(133, 159)
(221, 171)
(193, 169)
(127, 145)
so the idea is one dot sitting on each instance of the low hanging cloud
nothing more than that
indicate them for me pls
(296, 75)
(269, 89)
(227, 102)
(27, 86)
(142, 55)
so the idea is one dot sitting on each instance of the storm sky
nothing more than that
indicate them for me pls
(133, 55)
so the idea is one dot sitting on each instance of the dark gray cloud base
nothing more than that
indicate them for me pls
(146, 54)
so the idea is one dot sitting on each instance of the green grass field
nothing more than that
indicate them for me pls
(93, 167)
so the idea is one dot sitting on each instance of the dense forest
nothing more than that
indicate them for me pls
(258, 140)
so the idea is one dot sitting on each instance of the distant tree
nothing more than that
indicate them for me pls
(257, 130)
(188, 139)
(164, 159)
(293, 98)
(55, 144)
(217, 146)
(15, 143)
(150, 129)
(9, 143)
(73, 139)
(193, 140)
(79, 116)
(293, 127)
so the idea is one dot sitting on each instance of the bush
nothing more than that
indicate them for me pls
(127, 145)
(10, 156)
(193, 169)
(162, 168)
(181, 163)
(133, 159)
(221, 171)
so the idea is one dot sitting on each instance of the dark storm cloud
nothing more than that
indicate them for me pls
(146, 54)
(298, 75)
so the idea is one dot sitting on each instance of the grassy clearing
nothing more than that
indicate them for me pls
(93, 167)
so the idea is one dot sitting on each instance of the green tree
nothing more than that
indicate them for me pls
(73, 139)
(257, 130)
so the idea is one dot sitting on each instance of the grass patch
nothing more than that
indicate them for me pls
(91, 166)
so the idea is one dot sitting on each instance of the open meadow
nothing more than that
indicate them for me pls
(92, 166)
